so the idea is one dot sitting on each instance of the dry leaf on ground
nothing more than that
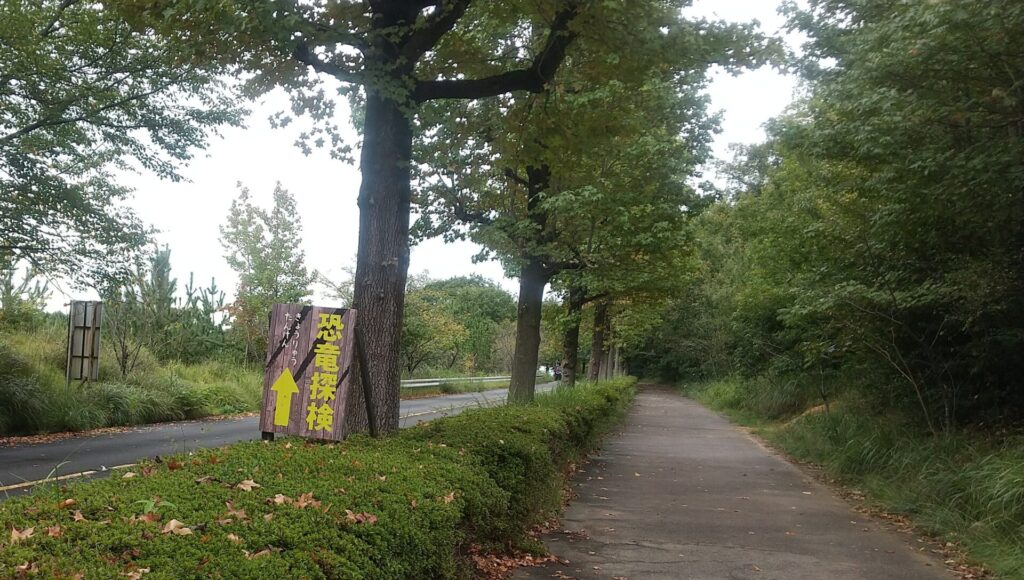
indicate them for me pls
(25, 534)
(248, 485)
(177, 528)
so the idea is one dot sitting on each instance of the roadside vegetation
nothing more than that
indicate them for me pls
(860, 293)
(418, 504)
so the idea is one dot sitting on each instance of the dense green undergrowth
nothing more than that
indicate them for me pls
(965, 487)
(34, 399)
(406, 506)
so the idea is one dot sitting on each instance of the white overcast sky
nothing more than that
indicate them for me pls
(187, 214)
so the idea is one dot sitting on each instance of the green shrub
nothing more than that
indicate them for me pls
(406, 506)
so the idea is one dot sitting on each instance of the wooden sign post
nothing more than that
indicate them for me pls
(83, 362)
(309, 371)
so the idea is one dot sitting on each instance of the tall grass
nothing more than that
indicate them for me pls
(964, 487)
(34, 398)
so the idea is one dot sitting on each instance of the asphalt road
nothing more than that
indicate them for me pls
(95, 455)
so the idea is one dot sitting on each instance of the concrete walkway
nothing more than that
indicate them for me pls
(681, 493)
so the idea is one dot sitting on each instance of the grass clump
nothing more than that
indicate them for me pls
(34, 398)
(406, 506)
(965, 487)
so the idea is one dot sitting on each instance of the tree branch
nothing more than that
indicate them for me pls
(532, 79)
(305, 56)
(440, 23)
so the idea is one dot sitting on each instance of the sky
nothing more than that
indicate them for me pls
(188, 214)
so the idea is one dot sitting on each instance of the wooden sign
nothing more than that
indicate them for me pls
(83, 362)
(309, 371)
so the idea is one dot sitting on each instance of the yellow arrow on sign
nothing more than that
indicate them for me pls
(285, 388)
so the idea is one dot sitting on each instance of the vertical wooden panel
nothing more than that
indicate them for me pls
(84, 322)
(292, 347)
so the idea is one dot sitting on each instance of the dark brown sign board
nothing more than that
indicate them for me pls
(309, 371)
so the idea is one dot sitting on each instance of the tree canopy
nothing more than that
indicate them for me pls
(83, 95)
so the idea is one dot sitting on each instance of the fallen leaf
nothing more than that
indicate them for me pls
(174, 465)
(67, 503)
(148, 470)
(234, 538)
(382, 477)
(25, 534)
(413, 503)
(237, 513)
(450, 497)
(77, 516)
(136, 574)
(27, 568)
(268, 517)
(177, 528)
(306, 499)
(253, 556)
(248, 485)
(280, 499)
(360, 518)
(129, 475)
(54, 531)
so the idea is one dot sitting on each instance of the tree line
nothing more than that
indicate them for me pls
(874, 245)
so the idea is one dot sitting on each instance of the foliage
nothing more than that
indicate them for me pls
(21, 302)
(34, 398)
(264, 249)
(83, 93)
(404, 506)
(481, 306)
(431, 334)
(879, 233)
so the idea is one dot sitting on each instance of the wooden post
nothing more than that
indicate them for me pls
(364, 378)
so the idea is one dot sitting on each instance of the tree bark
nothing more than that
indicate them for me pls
(532, 280)
(597, 344)
(571, 341)
(382, 260)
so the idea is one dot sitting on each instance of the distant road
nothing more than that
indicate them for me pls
(94, 455)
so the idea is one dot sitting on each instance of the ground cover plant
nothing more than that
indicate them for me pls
(965, 487)
(405, 506)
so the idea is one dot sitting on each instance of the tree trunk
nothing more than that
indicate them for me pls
(571, 342)
(532, 280)
(597, 344)
(382, 260)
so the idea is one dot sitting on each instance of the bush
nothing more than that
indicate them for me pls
(406, 506)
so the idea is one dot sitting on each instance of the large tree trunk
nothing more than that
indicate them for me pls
(597, 344)
(532, 280)
(571, 341)
(382, 260)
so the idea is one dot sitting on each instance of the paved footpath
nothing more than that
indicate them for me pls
(682, 493)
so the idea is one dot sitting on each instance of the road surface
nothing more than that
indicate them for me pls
(681, 493)
(94, 455)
